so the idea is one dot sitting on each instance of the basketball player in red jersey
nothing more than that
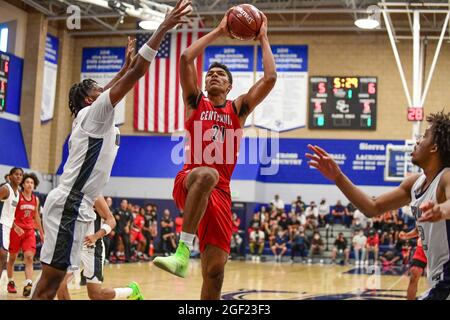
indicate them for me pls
(418, 263)
(202, 187)
(22, 235)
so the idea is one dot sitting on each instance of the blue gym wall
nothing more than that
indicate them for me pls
(12, 146)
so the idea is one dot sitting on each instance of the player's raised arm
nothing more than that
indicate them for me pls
(188, 71)
(246, 103)
(370, 207)
(129, 63)
(148, 52)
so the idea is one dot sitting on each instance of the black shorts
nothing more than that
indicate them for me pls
(418, 263)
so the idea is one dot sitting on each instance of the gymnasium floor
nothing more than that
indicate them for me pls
(249, 280)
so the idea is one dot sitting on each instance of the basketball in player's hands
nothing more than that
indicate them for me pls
(244, 22)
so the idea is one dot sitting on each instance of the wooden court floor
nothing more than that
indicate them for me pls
(249, 280)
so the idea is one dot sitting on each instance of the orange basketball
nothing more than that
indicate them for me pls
(244, 22)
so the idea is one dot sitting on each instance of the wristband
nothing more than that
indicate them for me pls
(147, 53)
(106, 227)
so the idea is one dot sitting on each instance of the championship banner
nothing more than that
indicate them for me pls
(285, 107)
(240, 61)
(50, 78)
(101, 65)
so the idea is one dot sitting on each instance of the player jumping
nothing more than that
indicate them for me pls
(202, 188)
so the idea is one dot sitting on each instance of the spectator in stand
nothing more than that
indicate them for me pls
(266, 227)
(236, 239)
(273, 232)
(167, 234)
(300, 205)
(108, 239)
(313, 212)
(122, 233)
(178, 225)
(363, 220)
(278, 203)
(359, 245)
(372, 245)
(130, 207)
(256, 219)
(338, 213)
(317, 247)
(137, 237)
(257, 238)
(282, 222)
(399, 252)
(293, 223)
(324, 211)
(309, 230)
(135, 210)
(281, 241)
(387, 230)
(263, 215)
(340, 248)
(146, 230)
(349, 214)
(274, 213)
(356, 226)
(377, 222)
(299, 244)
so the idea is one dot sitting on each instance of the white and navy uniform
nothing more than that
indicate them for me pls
(7, 214)
(68, 211)
(92, 258)
(435, 238)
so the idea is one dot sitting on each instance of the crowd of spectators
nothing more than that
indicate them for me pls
(294, 228)
(276, 229)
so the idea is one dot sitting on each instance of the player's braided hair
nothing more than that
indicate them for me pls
(440, 126)
(32, 176)
(224, 67)
(78, 93)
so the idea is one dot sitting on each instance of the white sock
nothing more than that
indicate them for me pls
(188, 239)
(10, 279)
(28, 281)
(122, 293)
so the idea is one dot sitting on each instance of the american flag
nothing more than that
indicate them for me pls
(158, 103)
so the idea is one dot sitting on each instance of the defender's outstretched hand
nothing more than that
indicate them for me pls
(431, 212)
(176, 16)
(323, 162)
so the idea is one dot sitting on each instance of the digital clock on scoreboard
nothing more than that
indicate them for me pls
(348, 103)
(4, 72)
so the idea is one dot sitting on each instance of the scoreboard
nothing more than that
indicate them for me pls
(346, 103)
(4, 72)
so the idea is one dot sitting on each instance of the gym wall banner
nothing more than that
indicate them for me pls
(285, 107)
(50, 78)
(363, 161)
(240, 61)
(101, 65)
